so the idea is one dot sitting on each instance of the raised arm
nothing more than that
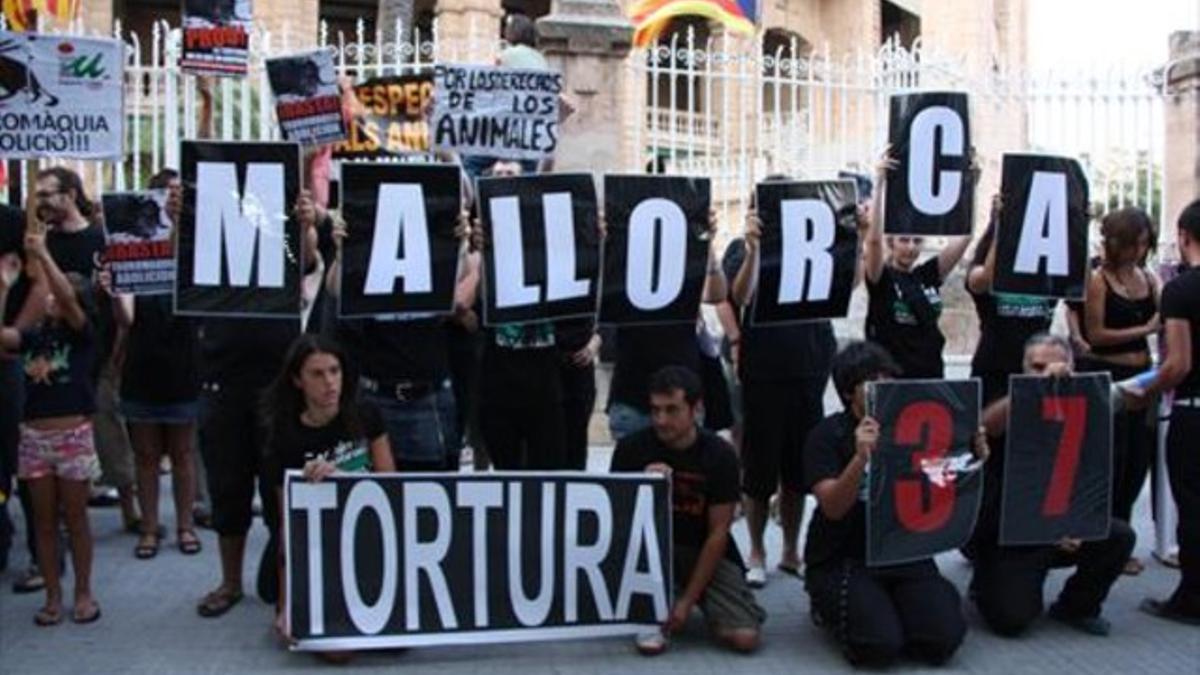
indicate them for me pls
(746, 280)
(716, 290)
(837, 496)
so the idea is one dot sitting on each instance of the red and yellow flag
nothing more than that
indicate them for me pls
(19, 13)
(651, 17)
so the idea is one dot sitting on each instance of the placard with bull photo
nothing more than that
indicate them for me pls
(655, 250)
(239, 249)
(216, 36)
(925, 483)
(930, 193)
(1058, 460)
(809, 251)
(498, 112)
(542, 255)
(400, 255)
(404, 560)
(391, 120)
(139, 252)
(1042, 236)
(61, 97)
(308, 100)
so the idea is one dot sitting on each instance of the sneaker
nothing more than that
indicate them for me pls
(651, 643)
(104, 497)
(756, 575)
(1092, 625)
(30, 582)
(1166, 609)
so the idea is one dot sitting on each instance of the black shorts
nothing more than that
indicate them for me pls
(777, 418)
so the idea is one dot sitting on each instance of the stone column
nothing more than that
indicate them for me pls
(1181, 108)
(468, 30)
(588, 41)
(300, 17)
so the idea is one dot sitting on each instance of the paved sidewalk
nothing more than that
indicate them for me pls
(150, 626)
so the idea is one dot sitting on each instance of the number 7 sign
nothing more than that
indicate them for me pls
(1058, 461)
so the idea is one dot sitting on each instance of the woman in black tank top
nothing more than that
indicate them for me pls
(1121, 311)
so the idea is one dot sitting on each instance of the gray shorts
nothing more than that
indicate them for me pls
(727, 603)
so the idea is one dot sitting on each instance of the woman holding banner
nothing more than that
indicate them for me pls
(317, 424)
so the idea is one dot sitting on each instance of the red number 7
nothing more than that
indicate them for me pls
(1072, 412)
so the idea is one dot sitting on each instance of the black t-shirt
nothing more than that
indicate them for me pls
(162, 361)
(704, 475)
(774, 353)
(571, 335)
(293, 443)
(827, 452)
(901, 324)
(643, 351)
(1006, 322)
(411, 350)
(80, 252)
(58, 363)
(244, 352)
(1181, 300)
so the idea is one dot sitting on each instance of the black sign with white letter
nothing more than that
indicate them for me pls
(809, 251)
(925, 482)
(930, 192)
(400, 254)
(1058, 462)
(396, 560)
(656, 248)
(1041, 246)
(542, 259)
(239, 251)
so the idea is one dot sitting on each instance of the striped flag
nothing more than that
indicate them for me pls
(651, 17)
(19, 13)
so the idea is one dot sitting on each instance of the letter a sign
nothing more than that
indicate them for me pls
(930, 193)
(1041, 243)
(239, 251)
(809, 251)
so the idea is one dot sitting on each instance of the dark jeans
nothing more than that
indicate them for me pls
(1134, 438)
(877, 614)
(521, 411)
(1183, 465)
(1009, 580)
(579, 400)
(422, 430)
(232, 442)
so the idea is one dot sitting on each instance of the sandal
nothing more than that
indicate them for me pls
(1133, 567)
(218, 602)
(144, 550)
(189, 544)
(92, 617)
(48, 616)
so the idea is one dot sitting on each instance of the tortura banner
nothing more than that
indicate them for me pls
(497, 112)
(403, 560)
(393, 123)
(216, 36)
(308, 101)
(139, 252)
(239, 251)
(930, 192)
(400, 255)
(809, 251)
(925, 484)
(656, 249)
(1041, 243)
(62, 97)
(542, 259)
(1058, 463)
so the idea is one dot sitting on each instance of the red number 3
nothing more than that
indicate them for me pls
(929, 423)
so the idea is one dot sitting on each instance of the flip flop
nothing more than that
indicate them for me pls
(90, 618)
(789, 570)
(217, 603)
(47, 617)
(190, 546)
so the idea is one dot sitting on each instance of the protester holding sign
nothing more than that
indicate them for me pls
(783, 370)
(1006, 320)
(1008, 582)
(57, 455)
(1120, 313)
(316, 423)
(876, 613)
(905, 299)
(1180, 370)
(703, 472)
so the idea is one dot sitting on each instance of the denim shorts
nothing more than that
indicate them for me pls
(423, 431)
(185, 412)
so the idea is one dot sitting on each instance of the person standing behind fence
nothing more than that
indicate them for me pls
(1120, 313)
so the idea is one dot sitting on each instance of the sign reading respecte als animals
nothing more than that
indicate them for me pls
(392, 121)
(499, 112)
(394, 560)
(216, 36)
(62, 96)
(308, 101)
